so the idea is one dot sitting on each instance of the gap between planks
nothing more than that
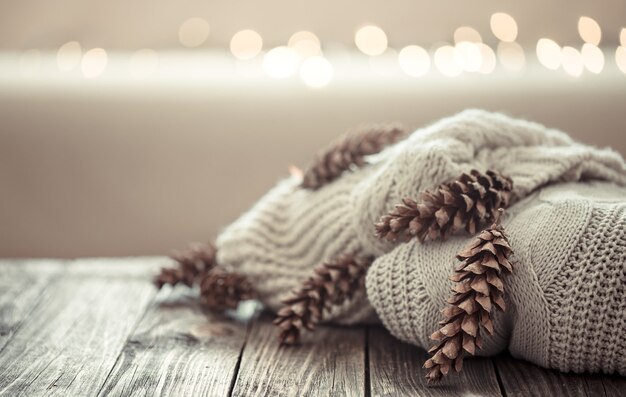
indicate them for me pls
(359, 361)
(329, 361)
(22, 284)
(521, 378)
(396, 370)
(178, 348)
(68, 342)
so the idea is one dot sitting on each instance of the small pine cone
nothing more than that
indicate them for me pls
(193, 262)
(170, 276)
(220, 290)
(334, 282)
(467, 203)
(479, 286)
(350, 149)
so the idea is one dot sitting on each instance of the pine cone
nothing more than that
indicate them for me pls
(170, 276)
(193, 262)
(479, 286)
(334, 282)
(350, 149)
(220, 290)
(466, 203)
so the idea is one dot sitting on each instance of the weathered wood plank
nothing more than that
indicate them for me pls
(594, 386)
(139, 267)
(396, 370)
(614, 386)
(521, 378)
(330, 361)
(604, 385)
(179, 350)
(22, 283)
(70, 341)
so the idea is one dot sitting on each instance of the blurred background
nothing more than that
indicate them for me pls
(131, 128)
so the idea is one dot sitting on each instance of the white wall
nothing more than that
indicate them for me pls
(108, 168)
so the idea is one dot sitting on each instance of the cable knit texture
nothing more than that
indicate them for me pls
(567, 300)
(566, 296)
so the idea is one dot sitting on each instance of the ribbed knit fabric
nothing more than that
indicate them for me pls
(287, 233)
(291, 230)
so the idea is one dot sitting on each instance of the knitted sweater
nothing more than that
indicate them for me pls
(567, 306)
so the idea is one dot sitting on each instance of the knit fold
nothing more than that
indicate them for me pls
(286, 234)
(531, 154)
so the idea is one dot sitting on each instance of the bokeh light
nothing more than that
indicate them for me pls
(511, 56)
(94, 63)
(593, 58)
(305, 44)
(549, 53)
(622, 37)
(246, 44)
(488, 58)
(620, 58)
(503, 26)
(30, 62)
(316, 72)
(144, 63)
(414, 60)
(280, 62)
(68, 56)
(193, 32)
(468, 56)
(371, 40)
(589, 30)
(445, 61)
(572, 61)
(466, 33)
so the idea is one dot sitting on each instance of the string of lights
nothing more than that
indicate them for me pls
(303, 53)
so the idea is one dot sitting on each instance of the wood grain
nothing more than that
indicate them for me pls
(70, 341)
(22, 283)
(179, 350)
(614, 386)
(521, 378)
(329, 362)
(396, 370)
(142, 268)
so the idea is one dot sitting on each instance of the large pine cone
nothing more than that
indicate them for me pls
(479, 287)
(334, 282)
(468, 202)
(350, 149)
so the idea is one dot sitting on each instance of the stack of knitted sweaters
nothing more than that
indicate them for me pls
(567, 294)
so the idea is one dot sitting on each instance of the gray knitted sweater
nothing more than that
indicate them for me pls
(567, 295)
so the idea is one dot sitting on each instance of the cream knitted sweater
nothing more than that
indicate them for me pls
(567, 296)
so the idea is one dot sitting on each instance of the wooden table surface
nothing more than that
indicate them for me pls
(93, 327)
